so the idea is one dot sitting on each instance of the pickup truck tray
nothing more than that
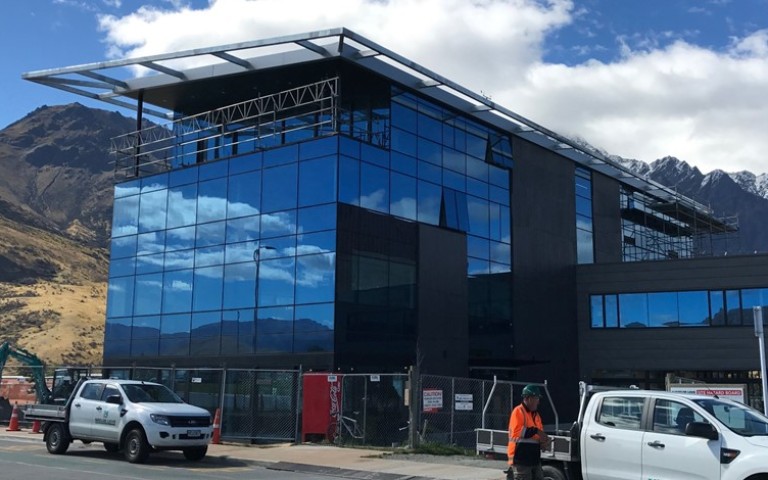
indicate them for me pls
(45, 413)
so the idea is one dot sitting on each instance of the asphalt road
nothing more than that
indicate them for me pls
(24, 459)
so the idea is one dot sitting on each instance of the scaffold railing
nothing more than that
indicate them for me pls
(252, 125)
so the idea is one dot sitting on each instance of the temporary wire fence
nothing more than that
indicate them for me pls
(261, 406)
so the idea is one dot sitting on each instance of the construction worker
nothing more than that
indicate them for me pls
(526, 438)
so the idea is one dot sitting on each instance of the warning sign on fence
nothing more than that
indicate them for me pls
(432, 400)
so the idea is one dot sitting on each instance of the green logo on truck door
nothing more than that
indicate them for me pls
(105, 420)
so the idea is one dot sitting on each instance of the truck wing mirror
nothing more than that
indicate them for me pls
(702, 429)
(115, 399)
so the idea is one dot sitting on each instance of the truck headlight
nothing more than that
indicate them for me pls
(160, 419)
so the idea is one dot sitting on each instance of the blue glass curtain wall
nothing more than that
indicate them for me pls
(585, 248)
(188, 247)
(442, 169)
(695, 308)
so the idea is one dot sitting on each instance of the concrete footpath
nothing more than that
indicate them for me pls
(339, 462)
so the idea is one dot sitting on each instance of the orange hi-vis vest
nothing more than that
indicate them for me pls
(524, 447)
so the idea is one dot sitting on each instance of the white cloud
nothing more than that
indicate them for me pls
(663, 99)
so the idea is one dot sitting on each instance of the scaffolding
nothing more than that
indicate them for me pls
(264, 122)
(657, 230)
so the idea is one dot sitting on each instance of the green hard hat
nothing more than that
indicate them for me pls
(531, 391)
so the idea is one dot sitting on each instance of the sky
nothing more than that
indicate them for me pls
(642, 79)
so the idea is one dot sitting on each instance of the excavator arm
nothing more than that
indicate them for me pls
(36, 365)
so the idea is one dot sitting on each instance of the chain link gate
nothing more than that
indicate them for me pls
(452, 408)
(261, 405)
(372, 411)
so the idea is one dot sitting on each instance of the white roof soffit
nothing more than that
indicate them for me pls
(112, 82)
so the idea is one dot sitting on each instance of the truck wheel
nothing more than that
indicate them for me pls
(111, 447)
(136, 446)
(195, 454)
(553, 473)
(57, 440)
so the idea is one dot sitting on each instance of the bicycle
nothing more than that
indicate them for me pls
(344, 427)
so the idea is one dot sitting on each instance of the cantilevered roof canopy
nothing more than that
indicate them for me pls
(167, 81)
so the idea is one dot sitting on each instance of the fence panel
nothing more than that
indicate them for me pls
(373, 410)
(452, 408)
(260, 405)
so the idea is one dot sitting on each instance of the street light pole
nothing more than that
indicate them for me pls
(757, 313)
(257, 259)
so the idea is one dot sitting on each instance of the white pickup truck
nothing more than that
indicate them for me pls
(132, 416)
(656, 435)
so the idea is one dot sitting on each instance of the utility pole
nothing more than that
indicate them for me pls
(757, 312)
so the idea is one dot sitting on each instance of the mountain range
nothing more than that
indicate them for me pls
(56, 183)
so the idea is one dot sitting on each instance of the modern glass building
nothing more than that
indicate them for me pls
(318, 200)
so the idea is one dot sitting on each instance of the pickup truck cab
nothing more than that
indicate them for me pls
(132, 416)
(653, 435)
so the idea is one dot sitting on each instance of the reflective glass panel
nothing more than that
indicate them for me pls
(180, 239)
(148, 293)
(662, 309)
(694, 308)
(240, 285)
(243, 229)
(205, 257)
(180, 259)
(596, 310)
(241, 252)
(125, 216)
(209, 285)
(733, 305)
(314, 219)
(315, 278)
(317, 181)
(318, 148)
(717, 307)
(244, 195)
(349, 181)
(123, 247)
(146, 327)
(316, 242)
(127, 188)
(210, 234)
(314, 318)
(431, 173)
(312, 342)
(122, 267)
(633, 310)
(403, 196)
(278, 224)
(212, 200)
(280, 184)
(281, 156)
(182, 206)
(183, 176)
(403, 163)
(611, 311)
(274, 343)
(120, 297)
(430, 196)
(374, 188)
(152, 211)
(153, 242)
(276, 282)
(275, 320)
(479, 216)
(404, 142)
(177, 291)
(149, 263)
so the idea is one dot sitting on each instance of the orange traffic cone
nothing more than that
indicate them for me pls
(36, 427)
(14, 425)
(216, 436)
